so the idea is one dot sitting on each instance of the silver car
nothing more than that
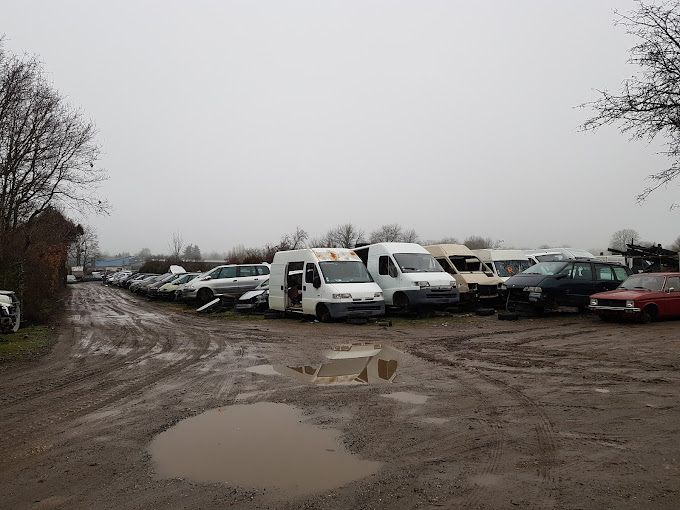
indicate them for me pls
(230, 280)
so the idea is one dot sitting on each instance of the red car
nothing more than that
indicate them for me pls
(643, 296)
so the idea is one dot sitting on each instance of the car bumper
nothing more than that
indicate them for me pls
(428, 297)
(351, 309)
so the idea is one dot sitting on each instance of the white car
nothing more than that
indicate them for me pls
(10, 312)
(256, 300)
(230, 280)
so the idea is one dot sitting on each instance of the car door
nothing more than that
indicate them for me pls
(248, 278)
(605, 279)
(581, 285)
(669, 302)
(226, 282)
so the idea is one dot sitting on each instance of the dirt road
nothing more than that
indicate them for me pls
(562, 412)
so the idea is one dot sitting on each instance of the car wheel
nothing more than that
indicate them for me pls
(205, 296)
(647, 315)
(323, 313)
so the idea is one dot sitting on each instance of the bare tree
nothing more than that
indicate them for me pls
(387, 233)
(85, 248)
(47, 148)
(293, 241)
(144, 254)
(343, 236)
(176, 246)
(621, 238)
(479, 243)
(648, 104)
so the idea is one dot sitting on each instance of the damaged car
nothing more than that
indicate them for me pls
(256, 300)
(10, 312)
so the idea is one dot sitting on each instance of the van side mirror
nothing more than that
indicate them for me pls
(316, 282)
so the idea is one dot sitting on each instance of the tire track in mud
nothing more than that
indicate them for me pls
(72, 398)
(545, 435)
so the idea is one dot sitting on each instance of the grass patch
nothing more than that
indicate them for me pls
(27, 343)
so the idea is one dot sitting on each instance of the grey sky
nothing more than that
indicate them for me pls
(233, 122)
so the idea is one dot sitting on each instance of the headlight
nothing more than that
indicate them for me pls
(504, 287)
(630, 303)
(421, 284)
(342, 296)
(189, 288)
(593, 302)
(532, 289)
(453, 284)
(377, 294)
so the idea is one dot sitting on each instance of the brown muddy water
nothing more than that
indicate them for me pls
(261, 446)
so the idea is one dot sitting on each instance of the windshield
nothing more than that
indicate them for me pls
(549, 268)
(642, 281)
(511, 267)
(467, 263)
(346, 271)
(417, 263)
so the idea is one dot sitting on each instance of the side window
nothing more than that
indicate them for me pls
(604, 272)
(620, 272)
(215, 273)
(382, 264)
(674, 283)
(445, 264)
(228, 272)
(262, 270)
(582, 271)
(247, 271)
(310, 272)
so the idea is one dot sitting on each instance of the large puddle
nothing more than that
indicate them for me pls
(262, 446)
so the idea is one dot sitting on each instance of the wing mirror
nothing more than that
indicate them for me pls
(317, 282)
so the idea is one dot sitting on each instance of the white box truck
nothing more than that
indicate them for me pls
(409, 276)
(504, 263)
(330, 283)
(476, 281)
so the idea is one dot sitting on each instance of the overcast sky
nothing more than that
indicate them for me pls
(233, 122)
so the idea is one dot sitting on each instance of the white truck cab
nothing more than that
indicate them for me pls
(329, 283)
(504, 263)
(476, 281)
(409, 276)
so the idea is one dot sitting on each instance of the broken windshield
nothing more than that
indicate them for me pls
(344, 271)
(417, 263)
(467, 263)
(511, 267)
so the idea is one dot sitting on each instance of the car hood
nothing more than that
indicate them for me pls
(525, 280)
(623, 294)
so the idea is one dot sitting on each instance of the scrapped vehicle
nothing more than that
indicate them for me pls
(410, 278)
(551, 286)
(476, 281)
(71, 278)
(552, 254)
(256, 300)
(151, 290)
(231, 280)
(329, 283)
(167, 290)
(10, 312)
(504, 263)
(147, 278)
(642, 297)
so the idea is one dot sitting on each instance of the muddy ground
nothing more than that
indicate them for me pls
(558, 412)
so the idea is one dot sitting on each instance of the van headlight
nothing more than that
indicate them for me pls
(421, 284)
(532, 289)
(630, 303)
(504, 287)
(593, 302)
(342, 296)
(377, 294)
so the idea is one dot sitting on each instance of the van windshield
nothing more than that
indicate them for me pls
(511, 267)
(345, 271)
(417, 263)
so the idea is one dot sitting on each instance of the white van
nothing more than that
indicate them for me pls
(409, 276)
(327, 282)
(476, 281)
(504, 263)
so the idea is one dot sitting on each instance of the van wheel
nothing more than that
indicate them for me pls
(205, 296)
(400, 300)
(323, 313)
